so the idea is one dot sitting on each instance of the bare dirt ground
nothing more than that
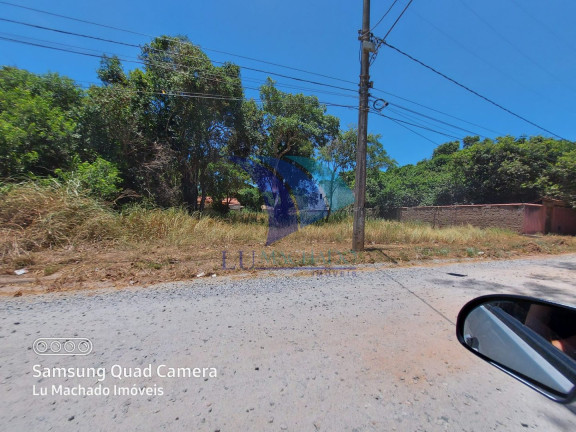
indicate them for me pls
(371, 350)
(81, 265)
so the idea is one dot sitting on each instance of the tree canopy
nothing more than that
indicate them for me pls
(503, 170)
(38, 119)
(168, 133)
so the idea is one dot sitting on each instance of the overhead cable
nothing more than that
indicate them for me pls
(470, 90)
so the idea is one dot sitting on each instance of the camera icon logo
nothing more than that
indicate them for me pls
(62, 346)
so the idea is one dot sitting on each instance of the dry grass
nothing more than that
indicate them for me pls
(384, 232)
(35, 218)
(176, 227)
(66, 240)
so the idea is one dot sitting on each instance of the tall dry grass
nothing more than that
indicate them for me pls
(176, 227)
(37, 217)
(380, 231)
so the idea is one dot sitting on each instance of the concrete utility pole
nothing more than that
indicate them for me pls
(360, 184)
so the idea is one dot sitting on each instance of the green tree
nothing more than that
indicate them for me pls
(340, 158)
(561, 182)
(111, 72)
(294, 124)
(226, 180)
(196, 107)
(509, 169)
(168, 125)
(435, 181)
(117, 125)
(567, 184)
(38, 120)
(446, 149)
(470, 140)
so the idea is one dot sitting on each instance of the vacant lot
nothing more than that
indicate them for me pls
(67, 241)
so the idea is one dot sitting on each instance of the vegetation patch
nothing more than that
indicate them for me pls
(65, 240)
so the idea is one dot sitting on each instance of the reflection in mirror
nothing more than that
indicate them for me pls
(534, 341)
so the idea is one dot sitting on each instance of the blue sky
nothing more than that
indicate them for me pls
(519, 53)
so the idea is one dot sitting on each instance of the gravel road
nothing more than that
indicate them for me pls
(371, 351)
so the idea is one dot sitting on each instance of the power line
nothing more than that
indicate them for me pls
(138, 46)
(199, 95)
(474, 54)
(152, 37)
(522, 53)
(220, 97)
(27, 38)
(164, 64)
(186, 56)
(439, 121)
(279, 65)
(224, 52)
(420, 121)
(384, 16)
(57, 49)
(215, 96)
(413, 131)
(236, 55)
(270, 63)
(544, 25)
(438, 111)
(205, 74)
(73, 19)
(470, 90)
(414, 124)
(231, 98)
(69, 32)
(254, 59)
(223, 97)
(413, 118)
(397, 19)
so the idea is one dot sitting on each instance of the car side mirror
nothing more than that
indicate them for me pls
(532, 340)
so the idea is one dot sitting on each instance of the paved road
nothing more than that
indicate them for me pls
(371, 352)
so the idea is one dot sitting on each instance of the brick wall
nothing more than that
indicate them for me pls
(522, 218)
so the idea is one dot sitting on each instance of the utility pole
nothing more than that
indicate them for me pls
(360, 184)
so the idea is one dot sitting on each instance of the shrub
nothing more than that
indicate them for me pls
(250, 198)
(99, 178)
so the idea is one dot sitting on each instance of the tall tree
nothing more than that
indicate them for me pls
(196, 107)
(510, 169)
(564, 186)
(118, 125)
(38, 120)
(340, 158)
(172, 121)
(295, 124)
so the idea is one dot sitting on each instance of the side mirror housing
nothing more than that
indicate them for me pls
(530, 339)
